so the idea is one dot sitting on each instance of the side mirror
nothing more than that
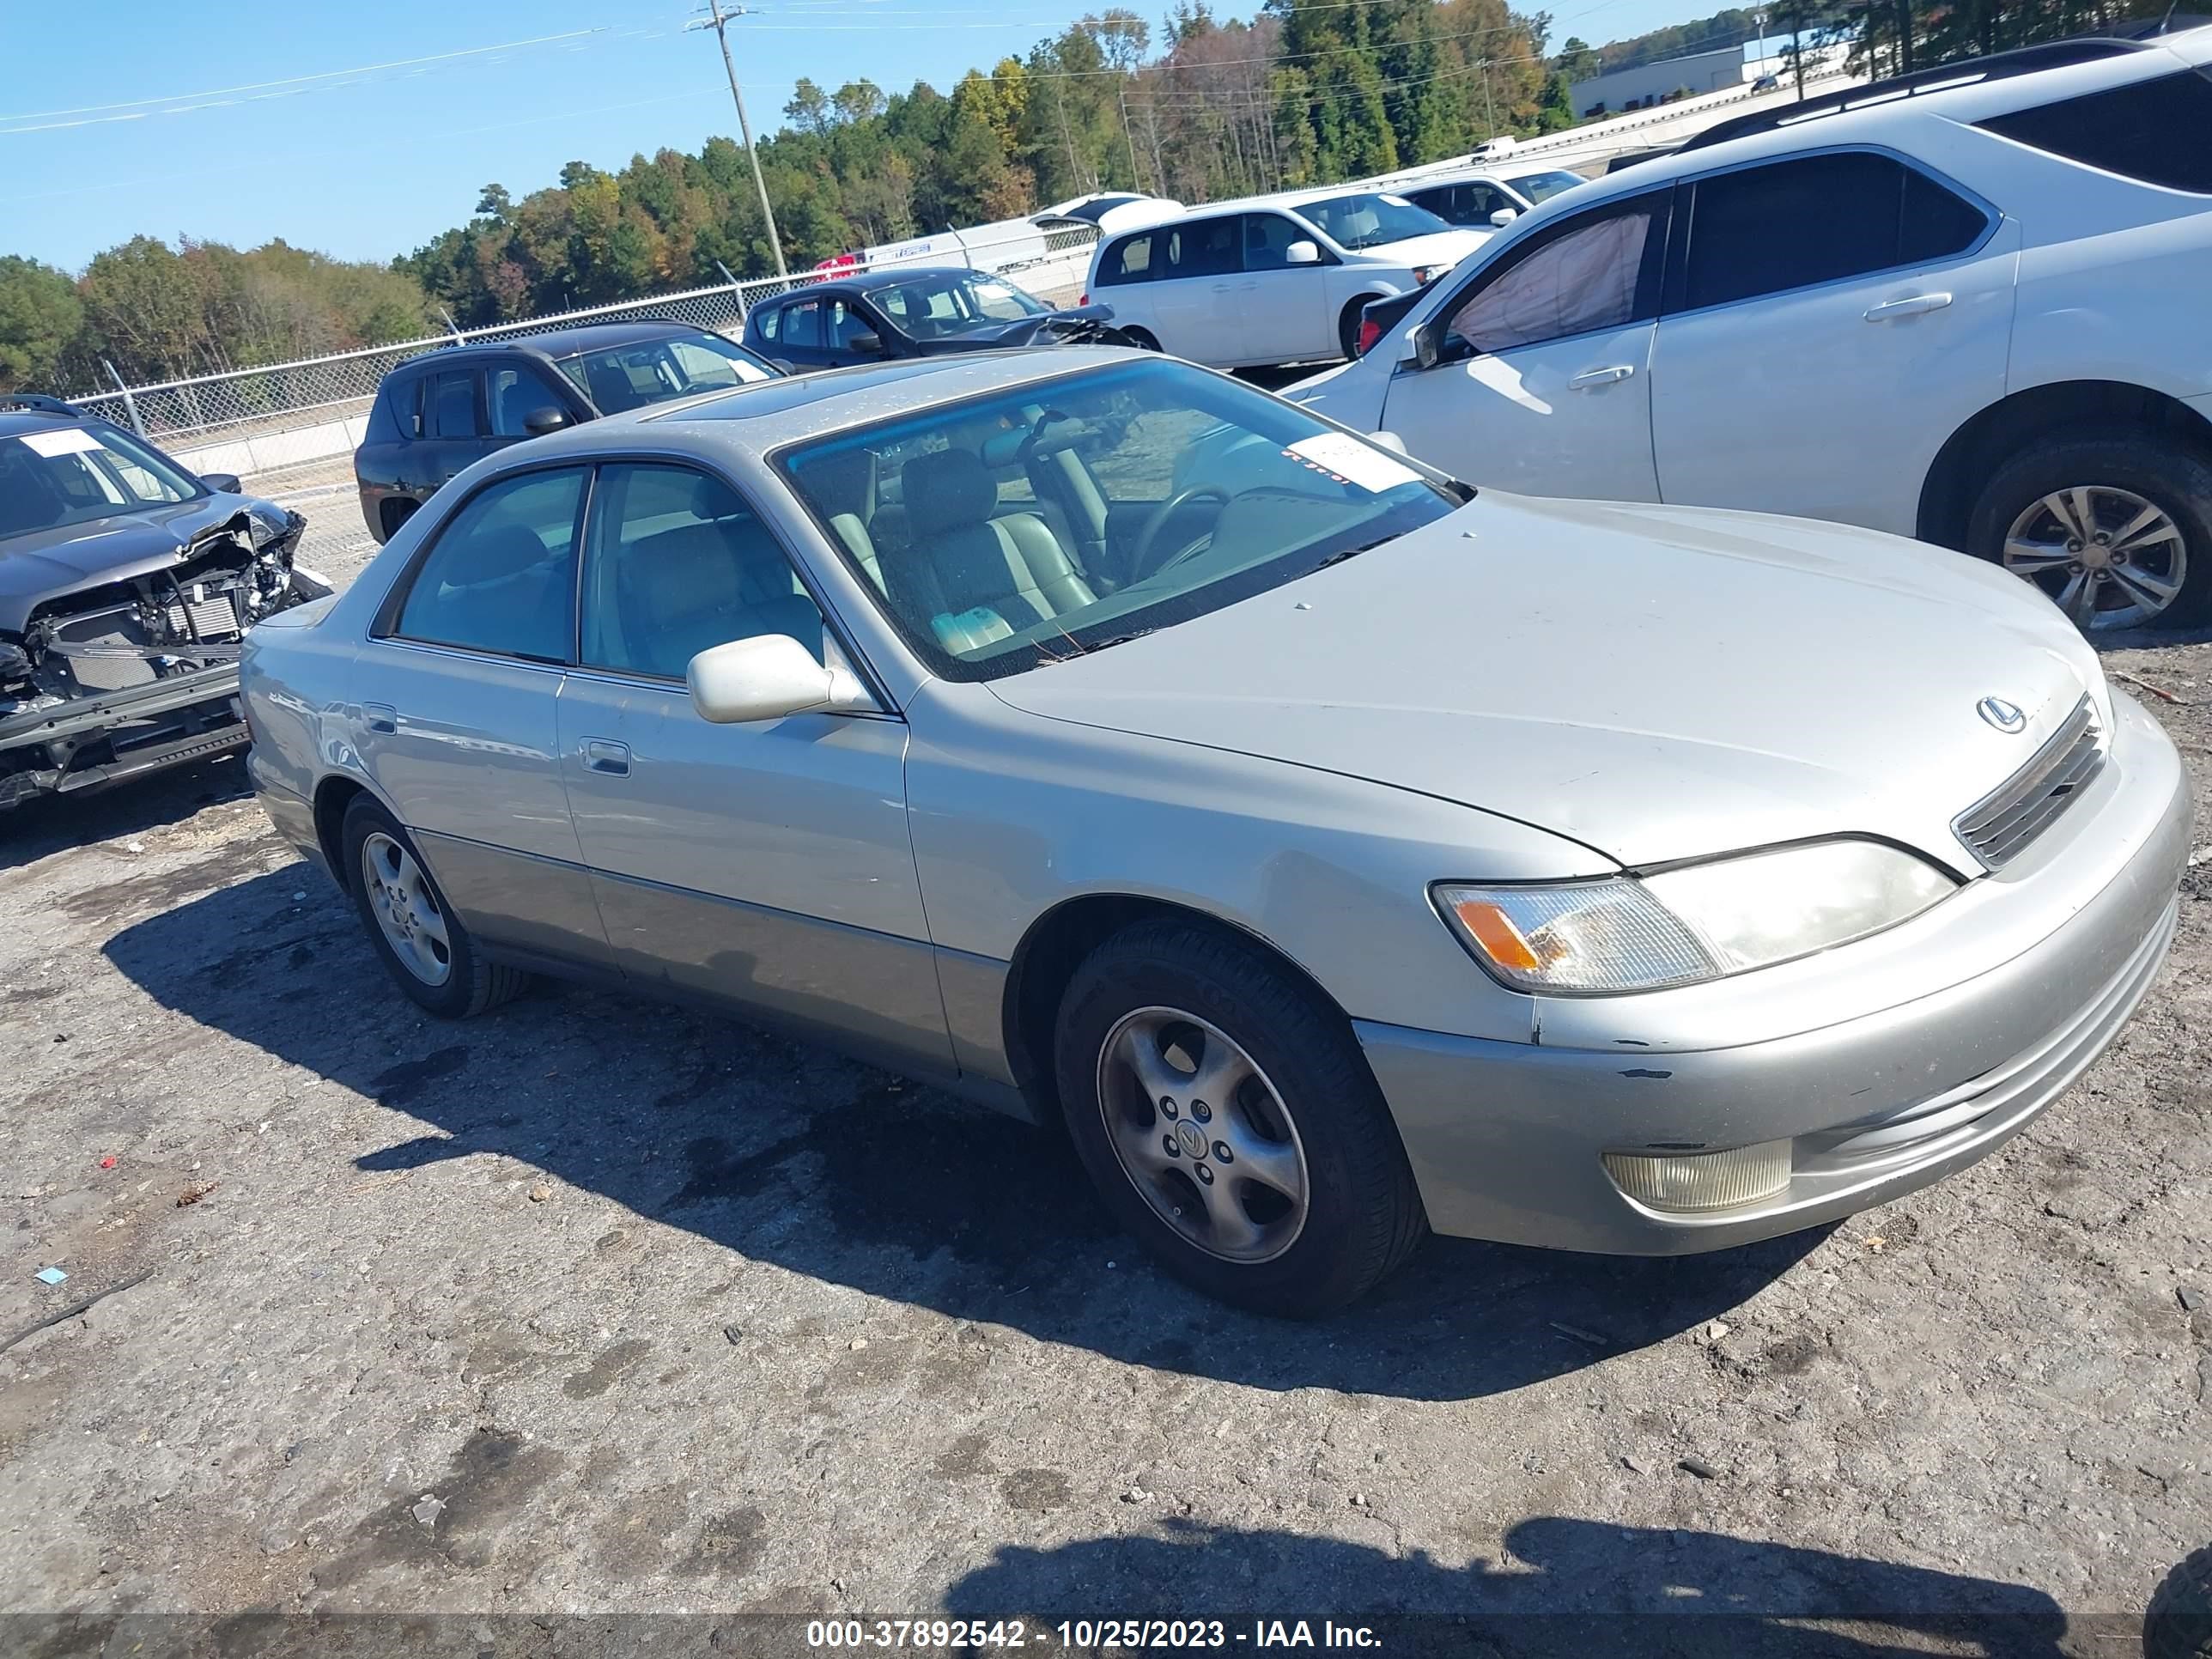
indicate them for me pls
(867, 344)
(783, 365)
(769, 677)
(539, 422)
(1428, 344)
(1389, 441)
(1504, 218)
(223, 483)
(1302, 252)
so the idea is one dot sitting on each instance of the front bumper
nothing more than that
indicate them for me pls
(180, 719)
(1506, 1138)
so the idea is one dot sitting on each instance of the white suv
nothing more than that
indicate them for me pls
(1974, 306)
(1277, 279)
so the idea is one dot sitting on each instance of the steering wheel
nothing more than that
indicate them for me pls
(1157, 522)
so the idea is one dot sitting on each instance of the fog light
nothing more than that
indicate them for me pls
(1703, 1181)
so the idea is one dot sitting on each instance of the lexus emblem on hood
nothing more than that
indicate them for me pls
(2005, 716)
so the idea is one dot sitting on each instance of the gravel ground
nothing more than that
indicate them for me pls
(593, 1307)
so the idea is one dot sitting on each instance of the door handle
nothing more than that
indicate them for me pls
(1914, 305)
(606, 756)
(381, 717)
(1590, 377)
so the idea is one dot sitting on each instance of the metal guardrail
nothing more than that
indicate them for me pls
(257, 408)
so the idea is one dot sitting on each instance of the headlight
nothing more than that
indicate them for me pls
(1699, 921)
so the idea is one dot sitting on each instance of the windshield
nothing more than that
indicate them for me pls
(1542, 186)
(654, 371)
(952, 302)
(71, 474)
(1063, 517)
(1370, 220)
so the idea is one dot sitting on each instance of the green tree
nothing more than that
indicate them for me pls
(41, 320)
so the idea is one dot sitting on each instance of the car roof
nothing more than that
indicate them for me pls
(868, 281)
(15, 420)
(1888, 113)
(568, 342)
(769, 414)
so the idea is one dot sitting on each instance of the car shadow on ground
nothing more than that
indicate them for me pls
(786, 1153)
(47, 825)
(1555, 1586)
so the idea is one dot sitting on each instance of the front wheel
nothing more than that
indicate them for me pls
(1141, 338)
(2117, 530)
(1229, 1121)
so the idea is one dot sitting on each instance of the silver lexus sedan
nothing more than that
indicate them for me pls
(1336, 855)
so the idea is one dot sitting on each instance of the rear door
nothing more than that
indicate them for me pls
(1831, 319)
(458, 686)
(1282, 310)
(766, 865)
(1541, 384)
(1194, 299)
(455, 434)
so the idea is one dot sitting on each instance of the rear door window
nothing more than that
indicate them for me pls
(454, 404)
(499, 576)
(1204, 247)
(1814, 219)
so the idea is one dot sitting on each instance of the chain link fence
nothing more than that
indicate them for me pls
(277, 416)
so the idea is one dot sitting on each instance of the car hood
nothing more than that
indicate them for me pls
(1442, 247)
(46, 564)
(1655, 683)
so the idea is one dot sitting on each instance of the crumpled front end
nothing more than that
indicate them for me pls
(128, 676)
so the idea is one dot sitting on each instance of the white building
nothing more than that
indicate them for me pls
(1722, 69)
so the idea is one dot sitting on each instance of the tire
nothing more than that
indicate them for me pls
(470, 984)
(1142, 339)
(2118, 473)
(2178, 1625)
(1347, 326)
(1309, 1114)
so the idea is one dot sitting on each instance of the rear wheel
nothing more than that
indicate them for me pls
(423, 944)
(2179, 1623)
(1228, 1120)
(2117, 530)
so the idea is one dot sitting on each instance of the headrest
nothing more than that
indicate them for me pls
(947, 490)
(611, 389)
(846, 482)
(507, 551)
(687, 572)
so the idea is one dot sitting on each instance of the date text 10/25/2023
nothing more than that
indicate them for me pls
(1086, 1634)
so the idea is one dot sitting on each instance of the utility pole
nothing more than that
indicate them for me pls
(718, 20)
(1135, 173)
(1489, 112)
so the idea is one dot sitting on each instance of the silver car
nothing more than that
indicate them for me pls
(1336, 855)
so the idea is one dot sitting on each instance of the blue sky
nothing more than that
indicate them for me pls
(364, 130)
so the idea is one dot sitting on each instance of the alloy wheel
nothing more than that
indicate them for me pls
(2108, 557)
(1203, 1134)
(405, 910)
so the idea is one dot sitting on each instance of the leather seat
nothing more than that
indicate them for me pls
(705, 584)
(845, 484)
(965, 560)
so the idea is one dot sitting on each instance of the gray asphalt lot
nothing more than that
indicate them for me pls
(593, 1306)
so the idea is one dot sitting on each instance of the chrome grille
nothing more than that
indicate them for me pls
(2000, 826)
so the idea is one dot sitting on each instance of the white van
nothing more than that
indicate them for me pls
(1273, 279)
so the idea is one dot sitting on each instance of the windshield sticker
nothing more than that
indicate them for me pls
(1345, 458)
(69, 441)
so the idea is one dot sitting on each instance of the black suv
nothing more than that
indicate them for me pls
(914, 310)
(437, 413)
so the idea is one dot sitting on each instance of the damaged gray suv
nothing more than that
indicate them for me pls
(126, 587)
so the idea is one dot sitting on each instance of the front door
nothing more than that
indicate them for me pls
(1542, 385)
(766, 865)
(1282, 309)
(458, 690)
(1831, 320)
